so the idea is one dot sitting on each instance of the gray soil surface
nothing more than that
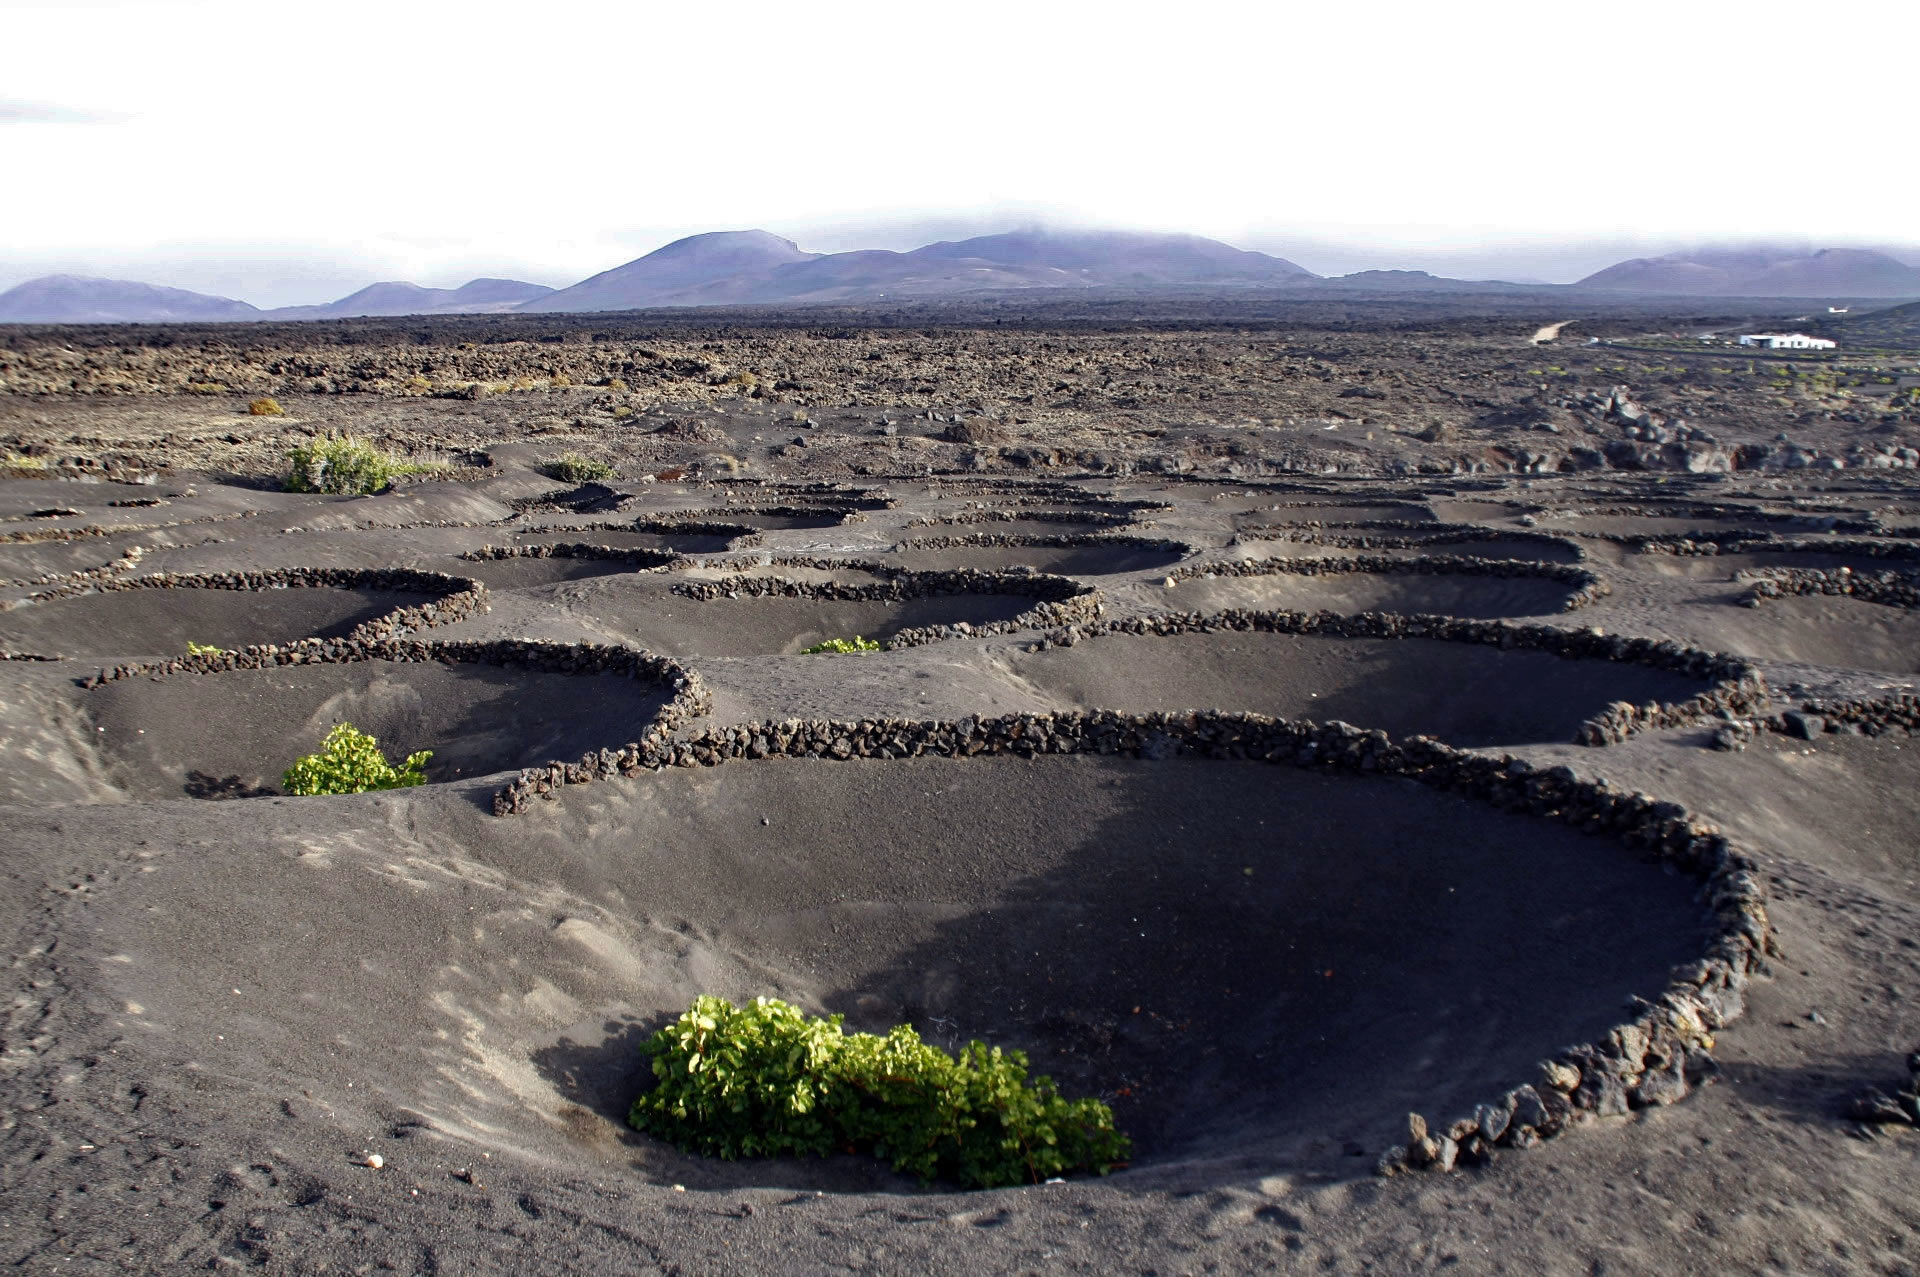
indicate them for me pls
(216, 1011)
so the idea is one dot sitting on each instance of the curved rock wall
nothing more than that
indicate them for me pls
(1649, 1060)
(1587, 586)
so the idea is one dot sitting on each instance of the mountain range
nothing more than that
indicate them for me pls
(757, 267)
(1760, 272)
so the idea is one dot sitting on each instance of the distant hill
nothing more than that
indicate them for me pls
(1419, 281)
(744, 267)
(701, 269)
(1759, 272)
(475, 297)
(80, 299)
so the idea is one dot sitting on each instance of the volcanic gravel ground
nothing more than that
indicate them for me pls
(215, 1011)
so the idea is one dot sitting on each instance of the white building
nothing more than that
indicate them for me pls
(1787, 341)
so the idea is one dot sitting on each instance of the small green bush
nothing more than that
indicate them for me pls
(854, 644)
(350, 762)
(345, 464)
(571, 467)
(203, 649)
(268, 407)
(765, 1080)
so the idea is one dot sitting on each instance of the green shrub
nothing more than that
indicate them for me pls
(766, 1080)
(571, 467)
(203, 649)
(854, 644)
(268, 407)
(343, 463)
(350, 762)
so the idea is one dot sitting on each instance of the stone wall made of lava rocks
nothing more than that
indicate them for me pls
(33, 536)
(1099, 518)
(1738, 688)
(839, 513)
(1718, 543)
(739, 535)
(1650, 1060)
(1064, 539)
(1893, 589)
(1449, 534)
(459, 597)
(1587, 586)
(1895, 714)
(575, 550)
(689, 697)
(1061, 600)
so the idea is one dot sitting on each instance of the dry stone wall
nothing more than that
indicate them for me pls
(1587, 586)
(1893, 589)
(1061, 600)
(1738, 687)
(1653, 1059)
(1011, 539)
(459, 596)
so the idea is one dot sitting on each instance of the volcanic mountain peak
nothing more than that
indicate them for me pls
(1764, 272)
(685, 270)
(1120, 255)
(84, 299)
(398, 297)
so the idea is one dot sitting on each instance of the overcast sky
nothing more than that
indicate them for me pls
(286, 153)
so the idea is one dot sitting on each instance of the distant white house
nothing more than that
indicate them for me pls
(1838, 310)
(1787, 341)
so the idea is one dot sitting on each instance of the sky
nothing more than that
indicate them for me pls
(289, 153)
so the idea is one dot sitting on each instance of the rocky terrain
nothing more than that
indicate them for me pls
(785, 396)
(1453, 797)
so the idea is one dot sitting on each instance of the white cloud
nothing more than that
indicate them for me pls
(424, 140)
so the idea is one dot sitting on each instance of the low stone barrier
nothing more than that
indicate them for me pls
(1062, 600)
(1649, 1060)
(33, 536)
(460, 597)
(1098, 518)
(839, 512)
(1894, 714)
(1738, 687)
(739, 535)
(639, 559)
(1061, 539)
(689, 697)
(1893, 589)
(1448, 534)
(1587, 586)
(1712, 544)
